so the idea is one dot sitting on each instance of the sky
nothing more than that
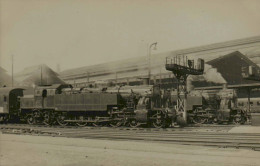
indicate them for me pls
(76, 33)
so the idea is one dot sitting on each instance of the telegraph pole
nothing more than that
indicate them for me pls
(41, 75)
(12, 70)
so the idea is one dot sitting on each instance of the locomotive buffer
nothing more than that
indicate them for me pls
(182, 67)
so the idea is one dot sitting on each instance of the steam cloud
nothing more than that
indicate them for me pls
(212, 75)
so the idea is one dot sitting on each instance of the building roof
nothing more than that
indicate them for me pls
(5, 79)
(231, 67)
(138, 66)
(38, 75)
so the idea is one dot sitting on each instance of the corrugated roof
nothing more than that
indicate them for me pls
(138, 65)
(231, 67)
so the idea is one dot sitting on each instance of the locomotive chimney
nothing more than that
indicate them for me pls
(145, 81)
(225, 86)
(190, 87)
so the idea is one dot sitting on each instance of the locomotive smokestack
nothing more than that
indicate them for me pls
(190, 87)
(225, 86)
(145, 81)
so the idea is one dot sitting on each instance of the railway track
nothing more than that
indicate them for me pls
(204, 136)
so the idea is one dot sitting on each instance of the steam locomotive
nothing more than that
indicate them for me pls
(217, 107)
(65, 105)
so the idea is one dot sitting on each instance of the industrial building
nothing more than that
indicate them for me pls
(131, 71)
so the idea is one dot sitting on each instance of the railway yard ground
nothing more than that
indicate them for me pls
(218, 145)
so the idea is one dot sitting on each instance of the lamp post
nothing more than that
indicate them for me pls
(153, 45)
(12, 70)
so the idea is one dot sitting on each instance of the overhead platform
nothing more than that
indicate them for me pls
(182, 65)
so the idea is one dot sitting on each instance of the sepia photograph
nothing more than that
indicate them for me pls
(129, 83)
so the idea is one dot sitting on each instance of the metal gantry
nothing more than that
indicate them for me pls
(182, 67)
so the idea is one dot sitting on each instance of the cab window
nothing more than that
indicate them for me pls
(38, 92)
(44, 93)
(51, 92)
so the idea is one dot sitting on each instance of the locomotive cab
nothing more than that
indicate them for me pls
(155, 108)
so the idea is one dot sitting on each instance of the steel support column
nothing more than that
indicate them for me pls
(181, 99)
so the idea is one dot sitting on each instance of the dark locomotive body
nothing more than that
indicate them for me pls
(64, 105)
(83, 108)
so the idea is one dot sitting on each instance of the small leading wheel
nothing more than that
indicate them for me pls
(46, 118)
(237, 120)
(133, 123)
(81, 124)
(199, 120)
(214, 120)
(243, 120)
(30, 119)
(98, 124)
(115, 123)
(3, 119)
(61, 120)
(159, 122)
